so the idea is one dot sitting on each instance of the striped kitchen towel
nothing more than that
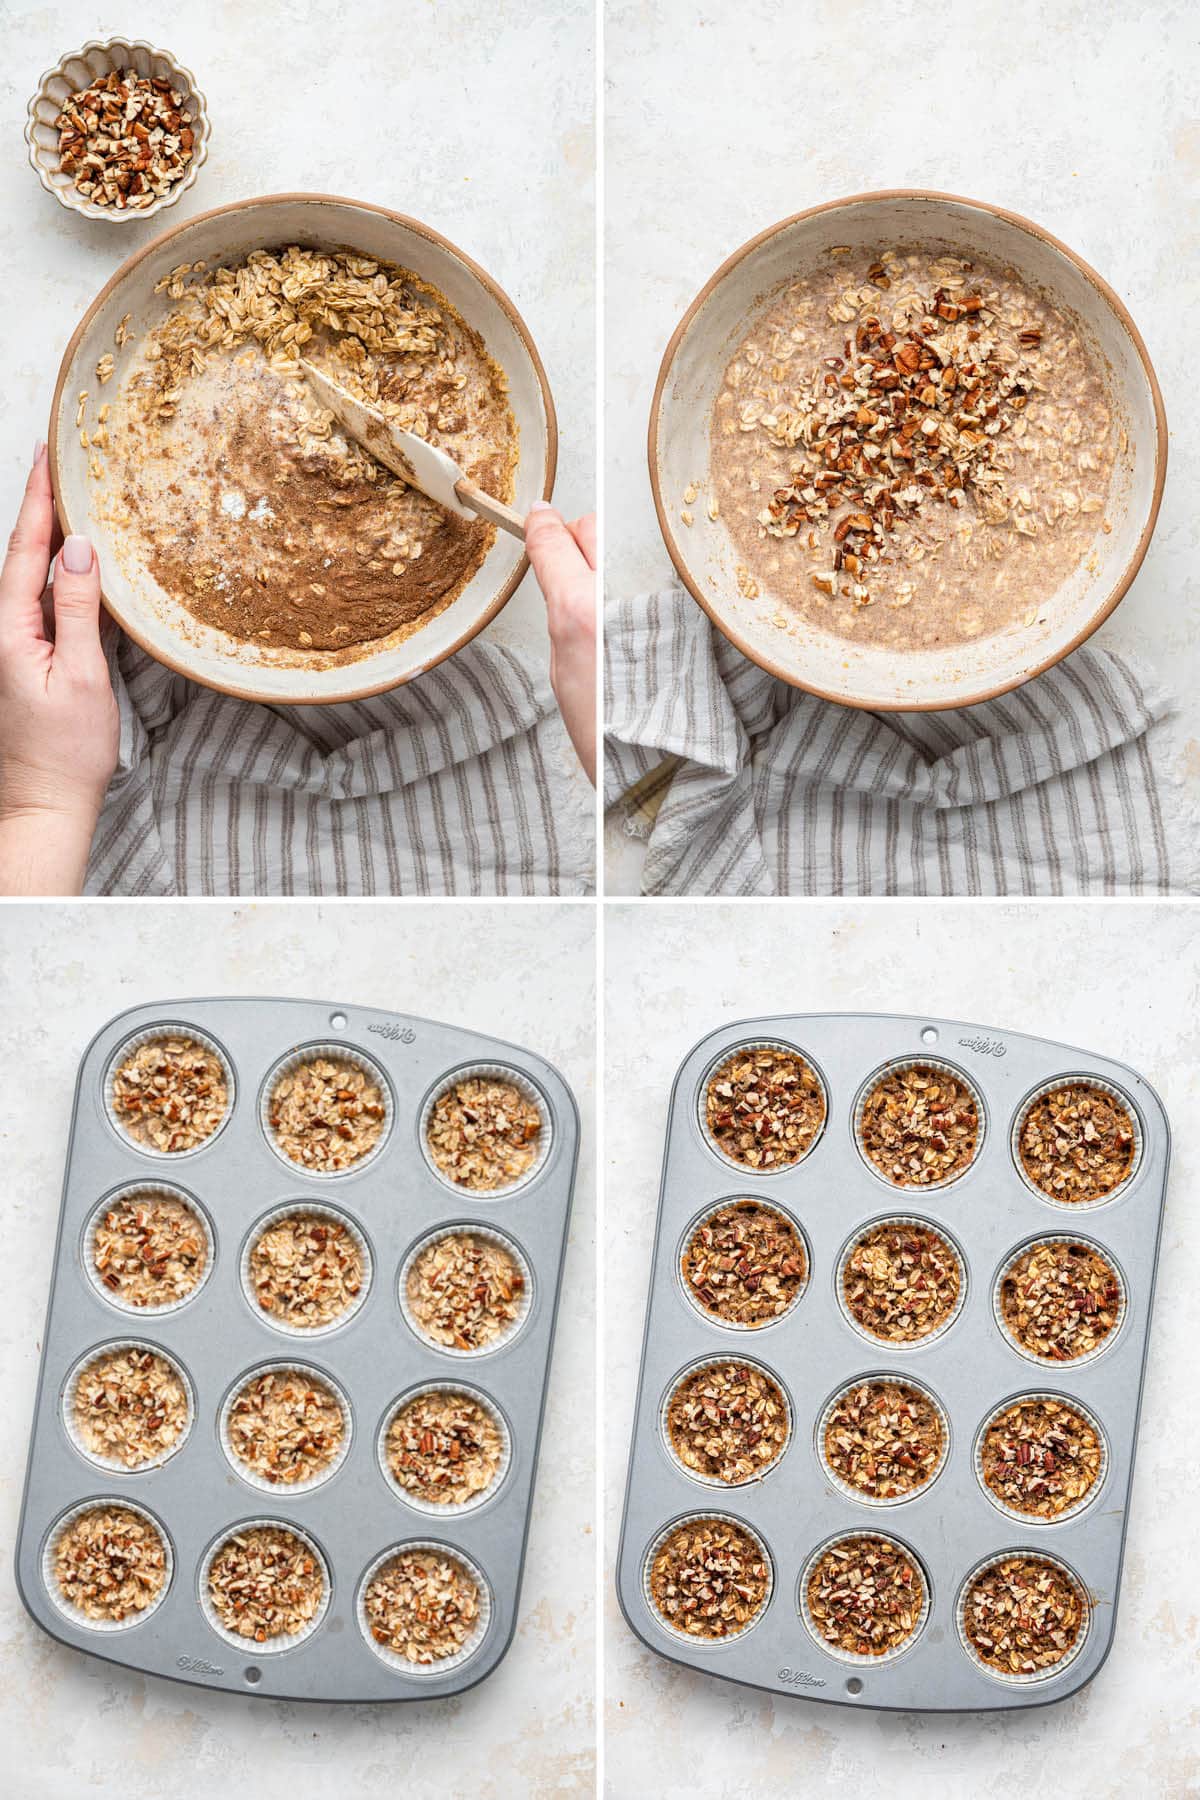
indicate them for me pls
(461, 782)
(743, 785)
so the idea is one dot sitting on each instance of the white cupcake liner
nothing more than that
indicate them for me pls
(889, 1346)
(452, 1508)
(854, 1657)
(719, 1062)
(287, 1640)
(896, 1065)
(882, 1502)
(113, 1464)
(1070, 1512)
(468, 1228)
(1059, 1237)
(700, 1219)
(1040, 1675)
(75, 1614)
(489, 1072)
(1102, 1087)
(656, 1544)
(152, 1034)
(447, 1663)
(131, 1190)
(717, 1362)
(284, 1489)
(305, 1208)
(306, 1053)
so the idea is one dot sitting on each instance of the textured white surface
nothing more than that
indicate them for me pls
(76, 1726)
(1121, 978)
(724, 119)
(473, 118)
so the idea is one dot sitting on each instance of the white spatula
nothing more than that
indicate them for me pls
(421, 464)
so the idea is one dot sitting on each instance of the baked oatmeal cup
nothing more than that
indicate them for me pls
(264, 1584)
(306, 1269)
(285, 1427)
(1077, 1142)
(466, 1290)
(919, 1124)
(901, 1281)
(1023, 1616)
(1041, 1458)
(744, 1264)
(169, 1090)
(128, 1406)
(883, 1438)
(148, 1248)
(424, 1608)
(708, 1578)
(726, 1421)
(486, 1129)
(762, 1107)
(1060, 1299)
(326, 1109)
(444, 1448)
(864, 1597)
(107, 1564)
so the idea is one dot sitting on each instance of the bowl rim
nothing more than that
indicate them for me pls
(1126, 576)
(361, 691)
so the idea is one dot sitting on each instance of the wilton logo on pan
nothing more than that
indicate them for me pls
(800, 1678)
(197, 1665)
(986, 1046)
(398, 1034)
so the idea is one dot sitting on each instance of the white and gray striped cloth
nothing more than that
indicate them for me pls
(461, 782)
(743, 785)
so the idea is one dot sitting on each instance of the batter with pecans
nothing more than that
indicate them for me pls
(912, 449)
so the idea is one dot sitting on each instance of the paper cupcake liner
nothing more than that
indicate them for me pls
(719, 1062)
(152, 1034)
(656, 1544)
(960, 1613)
(1059, 1237)
(113, 1464)
(467, 1228)
(1103, 1087)
(283, 1490)
(286, 1640)
(489, 1072)
(75, 1614)
(853, 1656)
(447, 1663)
(1070, 1512)
(896, 1066)
(306, 1053)
(716, 1362)
(451, 1508)
(890, 1346)
(306, 1208)
(845, 1487)
(153, 1190)
(689, 1233)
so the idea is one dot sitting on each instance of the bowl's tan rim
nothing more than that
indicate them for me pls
(241, 692)
(1115, 303)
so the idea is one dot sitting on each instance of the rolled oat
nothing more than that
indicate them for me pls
(110, 1563)
(306, 1270)
(865, 1596)
(885, 1438)
(130, 1405)
(1023, 1615)
(149, 1250)
(286, 1426)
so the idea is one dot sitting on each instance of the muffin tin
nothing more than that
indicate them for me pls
(354, 1516)
(952, 1525)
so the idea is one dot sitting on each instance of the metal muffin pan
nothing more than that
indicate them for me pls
(355, 1515)
(971, 1367)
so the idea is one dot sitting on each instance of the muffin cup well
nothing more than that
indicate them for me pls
(960, 1613)
(1058, 1237)
(718, 1062)
(693, 1227)
(154, 1190)
(1032, 1519)
(154, 1034)
(709, 1362)
(896, 1066)
(530, 1091)
(286, 1640)
(447, 1663)
(1102, 1087)
(843, 1486)
(901, 1346)
(453, 1508)
(296, 1059)
(283, 1490)
(853, 1656)
(468, 1229)
(113, 1464)
(75, 1614)
(656, 1544)
(305, 1208)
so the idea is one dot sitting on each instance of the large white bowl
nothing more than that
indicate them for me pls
(155, 619)
(690, 378)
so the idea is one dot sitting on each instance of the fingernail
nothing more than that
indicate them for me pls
(39, 450)
(541, 506)
(77, 555)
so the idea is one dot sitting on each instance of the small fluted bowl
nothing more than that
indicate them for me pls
(78, 71)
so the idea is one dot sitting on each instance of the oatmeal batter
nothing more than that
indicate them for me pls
(912, 450)
(239, 493)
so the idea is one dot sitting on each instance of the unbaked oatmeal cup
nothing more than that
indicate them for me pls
(444, 1448)
(326, 1109)
(708, 1578)
(466, 1289)
(883, 1438)
(486, 1130)
(264, 1584)
(127, 1406)
(306, 1269)
(424, 1608)
(1023, 1616)
(919, 1123)
(148, 1248)
(285, 1427)
(762, 1107)
(1041, 1458)
(107, 1564)
(168, 1090)
(726, 1421)
(864, 1597)
(1059, 1300)
(901, 1281)
(744, 1264)
(1077, 1142)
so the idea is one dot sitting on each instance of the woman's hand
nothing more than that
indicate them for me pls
(58, 717)
(564, 561)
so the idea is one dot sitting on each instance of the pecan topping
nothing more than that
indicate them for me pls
(728, 1421)
(920, 1126)
(865, 1596)
(483, 1134)
(286, 1427)
(306, 1270)
(422, 1605)
(327, 1114)
(130, 1405)
(764, 1107)
(884, 1438)
(709, 1578)
(1023, 1615)
(1040, 1457)
(1077, 1143)
(110, 1562)
(125, 140)
(265, 1583)
(901, 1282)
(465, 1291)
(1060, 1300)
(444, 1448)
(170, 1094)
(149, 1250)
(745, 1263)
